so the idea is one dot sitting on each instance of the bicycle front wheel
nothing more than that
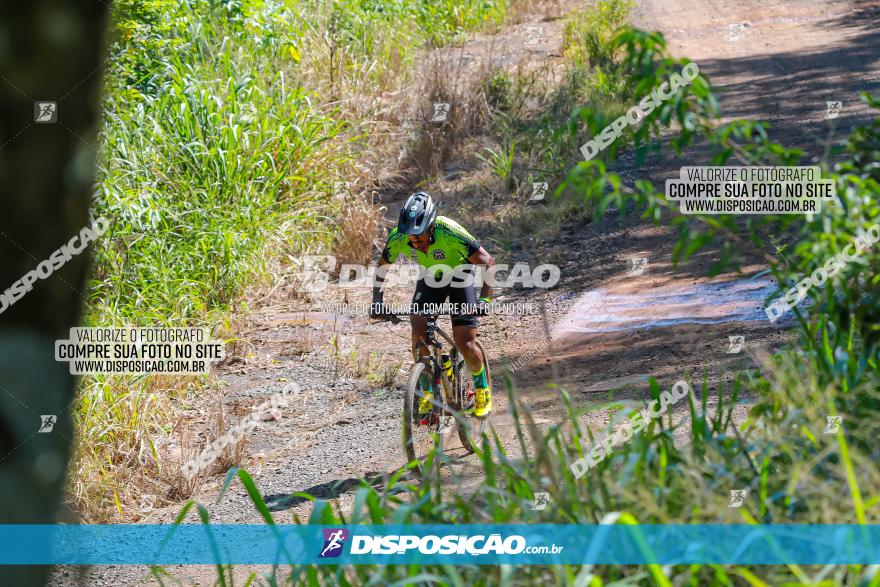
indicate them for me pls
(419, 430)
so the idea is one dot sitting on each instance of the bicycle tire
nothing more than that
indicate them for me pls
(416, 448)
(463, 424)
(468, 434)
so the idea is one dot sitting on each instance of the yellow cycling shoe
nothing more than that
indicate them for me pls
(425, 402)
(482, 402)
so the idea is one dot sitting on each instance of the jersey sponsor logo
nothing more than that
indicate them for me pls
(439, 254)
(413, 255)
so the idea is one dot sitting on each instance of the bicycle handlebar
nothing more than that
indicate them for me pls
(427, 314)
(395, 317)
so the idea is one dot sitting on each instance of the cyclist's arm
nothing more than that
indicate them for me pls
(379, 281)
(376, 308)
(385, 258)
(483, 258)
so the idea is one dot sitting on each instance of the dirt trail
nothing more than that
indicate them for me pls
(781, 66)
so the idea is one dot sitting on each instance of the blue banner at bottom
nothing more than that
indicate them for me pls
(480, 544)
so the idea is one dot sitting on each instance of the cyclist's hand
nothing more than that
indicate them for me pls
(378, 311)
(484, 307)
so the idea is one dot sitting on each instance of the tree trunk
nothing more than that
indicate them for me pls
(50, 51)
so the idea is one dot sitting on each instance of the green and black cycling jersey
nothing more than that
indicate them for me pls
(451, 245)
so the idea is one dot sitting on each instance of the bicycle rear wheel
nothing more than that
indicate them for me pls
(470, 429)
(418, 437)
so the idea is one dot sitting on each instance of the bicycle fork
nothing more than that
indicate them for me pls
(447, 377)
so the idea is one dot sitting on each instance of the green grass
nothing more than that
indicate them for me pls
(794, 474)
(590, 32)
(500, 162)
(534, 112)
(208, 149)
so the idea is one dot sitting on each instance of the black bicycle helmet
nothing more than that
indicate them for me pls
(417, 214)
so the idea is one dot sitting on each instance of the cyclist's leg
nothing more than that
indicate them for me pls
(464, 326)
(419, 329)
(465, 337)
(423, 296)
(464, 333)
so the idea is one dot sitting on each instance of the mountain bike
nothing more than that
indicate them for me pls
(450, 375)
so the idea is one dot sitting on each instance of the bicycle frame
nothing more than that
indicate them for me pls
(433, 360)
(434, 357)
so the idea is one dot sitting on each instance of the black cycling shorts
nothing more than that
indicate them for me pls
(425, 294)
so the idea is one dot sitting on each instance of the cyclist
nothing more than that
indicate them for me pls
(440, 244)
